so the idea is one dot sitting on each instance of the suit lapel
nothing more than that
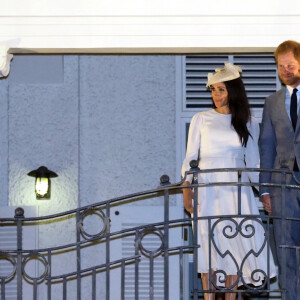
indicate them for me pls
(282, 108)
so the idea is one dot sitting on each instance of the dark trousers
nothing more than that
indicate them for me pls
(287, 233)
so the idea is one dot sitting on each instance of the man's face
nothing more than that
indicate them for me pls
(288, 69)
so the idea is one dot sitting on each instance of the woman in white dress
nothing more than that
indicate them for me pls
(227, 137)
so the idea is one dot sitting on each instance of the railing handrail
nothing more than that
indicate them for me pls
(170, 187)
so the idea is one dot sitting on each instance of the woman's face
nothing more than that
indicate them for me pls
(219, 94)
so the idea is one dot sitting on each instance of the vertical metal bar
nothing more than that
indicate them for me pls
(2, 289)
(94, 284)
(195, 237)
(49, 276)
(136, 267)
(209, 254)
(78, 248)
(19, 215)
(166, 245)
(151, 284)
(239, 193)
(181, 272)
(34, 289)
(239, 204)
(123, 280)
(283, 234)
(108, 254)
(78, 255)
(268, 252)
(298, 272)
(64, 288)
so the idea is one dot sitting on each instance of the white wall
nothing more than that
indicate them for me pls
(143, 7)
(104, 124)
(127, 124)
(147, 26)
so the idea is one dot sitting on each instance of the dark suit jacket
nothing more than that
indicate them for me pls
(279, 144)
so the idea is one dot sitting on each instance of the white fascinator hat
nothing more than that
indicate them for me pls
(229, 72)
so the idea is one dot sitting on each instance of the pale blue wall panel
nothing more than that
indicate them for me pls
(43, 129)
(3, 142)
(127, 121)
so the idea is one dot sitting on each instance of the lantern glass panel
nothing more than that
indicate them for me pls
(42, 186)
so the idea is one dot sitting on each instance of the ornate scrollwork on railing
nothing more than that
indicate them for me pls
(150, 231)
(38, 257)
(255, 273)
(229, 231)
(9, 258)
(235, 229)
(96, 212)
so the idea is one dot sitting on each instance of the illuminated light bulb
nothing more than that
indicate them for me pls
(42, 186)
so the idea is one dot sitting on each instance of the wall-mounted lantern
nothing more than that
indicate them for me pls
(42, 182)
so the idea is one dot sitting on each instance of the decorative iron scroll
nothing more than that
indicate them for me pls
(231, 230)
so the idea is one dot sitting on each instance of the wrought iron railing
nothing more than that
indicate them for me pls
(94, 265)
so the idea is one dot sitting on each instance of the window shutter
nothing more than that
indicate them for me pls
(8, 240)
(151, 243)
(259, 76)
(196, 69)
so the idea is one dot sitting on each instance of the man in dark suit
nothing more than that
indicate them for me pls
(280, 149)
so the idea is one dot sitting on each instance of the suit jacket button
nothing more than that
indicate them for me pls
(295, 142)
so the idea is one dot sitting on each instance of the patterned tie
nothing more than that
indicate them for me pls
(293, 108)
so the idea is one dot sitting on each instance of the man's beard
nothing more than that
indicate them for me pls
(290, 80)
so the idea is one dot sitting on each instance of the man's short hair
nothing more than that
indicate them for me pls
(288, 46)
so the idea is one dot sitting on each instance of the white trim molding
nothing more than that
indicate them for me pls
(147, 34)
(141, 26)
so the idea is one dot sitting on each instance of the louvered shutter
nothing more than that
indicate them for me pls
(196, 69)
(135, 216)
(150, 242)
(259, 76)
(8, 240)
